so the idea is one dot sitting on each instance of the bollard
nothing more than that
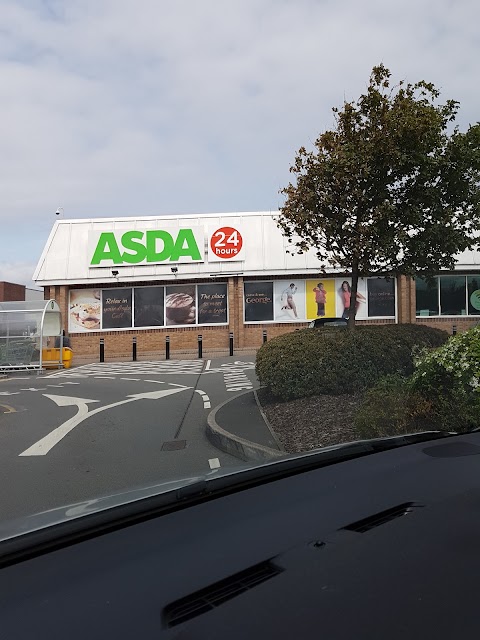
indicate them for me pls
(454, 330)
(102, 349)
(231, 343)
(167, 348)
(134, 349)
(264, 335)
(200, 345)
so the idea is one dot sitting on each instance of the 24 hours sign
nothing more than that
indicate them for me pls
(225, 244)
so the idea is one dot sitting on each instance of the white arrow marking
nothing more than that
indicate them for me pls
(44, 445)
(66, 401)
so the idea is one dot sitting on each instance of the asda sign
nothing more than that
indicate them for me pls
(145, 246)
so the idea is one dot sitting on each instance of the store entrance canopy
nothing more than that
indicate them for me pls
(25, 328)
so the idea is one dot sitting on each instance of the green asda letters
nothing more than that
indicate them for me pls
(150, 246)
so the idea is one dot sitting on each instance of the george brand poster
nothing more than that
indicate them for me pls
(149, 307)
(212, 303)
(381, 297)
(289, 300)
(84, 310)
(258, 298)
(117, 308)
(180, 305)
(320, 297)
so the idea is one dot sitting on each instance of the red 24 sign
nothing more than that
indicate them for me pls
(226, 242)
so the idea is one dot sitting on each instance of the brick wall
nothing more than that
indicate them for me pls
(10, 292)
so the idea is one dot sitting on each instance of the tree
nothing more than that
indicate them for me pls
(393, 189)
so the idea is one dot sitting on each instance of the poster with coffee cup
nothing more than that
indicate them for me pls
(116, 308)
(180, 305)
(84, 310)
(212, 303)
(149, 303)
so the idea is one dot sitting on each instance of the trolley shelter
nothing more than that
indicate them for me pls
(26, 331)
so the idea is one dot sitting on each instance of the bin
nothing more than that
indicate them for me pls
(67, 356)
(51, 358)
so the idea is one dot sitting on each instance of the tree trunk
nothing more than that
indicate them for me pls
(353, 296)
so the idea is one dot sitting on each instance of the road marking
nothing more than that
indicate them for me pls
(234, 376)
(34, 389)
(9, 408)
(157, 381)
(205, 398)
(172, 384)
(59, 386)
(207, 366)
(214, 463)
(168, 367)
(44, 445)
(133, 379)
(104, 377)
(71, 383)
(9, 393)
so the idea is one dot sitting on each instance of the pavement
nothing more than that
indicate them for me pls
(73, 435)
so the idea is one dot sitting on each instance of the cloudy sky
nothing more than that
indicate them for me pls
(126, 107)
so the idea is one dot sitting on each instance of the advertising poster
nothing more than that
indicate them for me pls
(289, 300)
(148, 307)
(343, 297)
(116, 308)
(258, 297)
(320, 296)
(212, 303)
(180, 305)
(84, 310)
(381, 297)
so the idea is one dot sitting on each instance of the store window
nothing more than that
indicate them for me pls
(258, 301)
(212, 303)
(116, 308)
(453, 296)
(427, 297)
(473, 286)
(149, 303)
(381, 297)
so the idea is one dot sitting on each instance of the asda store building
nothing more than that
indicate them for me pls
(215, 275)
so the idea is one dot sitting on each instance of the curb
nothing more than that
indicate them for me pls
(267, 421)
(234, 445)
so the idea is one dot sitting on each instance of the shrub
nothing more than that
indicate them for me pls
(449, 377)
(336, 361)
(392, 408)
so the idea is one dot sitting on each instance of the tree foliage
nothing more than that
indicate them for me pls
(394, 188)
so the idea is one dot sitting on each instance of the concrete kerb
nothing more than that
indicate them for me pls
(234, 445)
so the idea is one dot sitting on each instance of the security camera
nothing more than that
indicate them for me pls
(58, 212)
(174, 269)
(114, 273)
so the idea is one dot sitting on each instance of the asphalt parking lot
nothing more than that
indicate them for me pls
(77, 434)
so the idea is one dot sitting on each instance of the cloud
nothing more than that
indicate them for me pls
(18, 273)
(121, 107)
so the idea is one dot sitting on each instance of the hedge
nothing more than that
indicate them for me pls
(335, 361)
(449, 378)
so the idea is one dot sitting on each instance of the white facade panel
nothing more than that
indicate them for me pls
(67, 257)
